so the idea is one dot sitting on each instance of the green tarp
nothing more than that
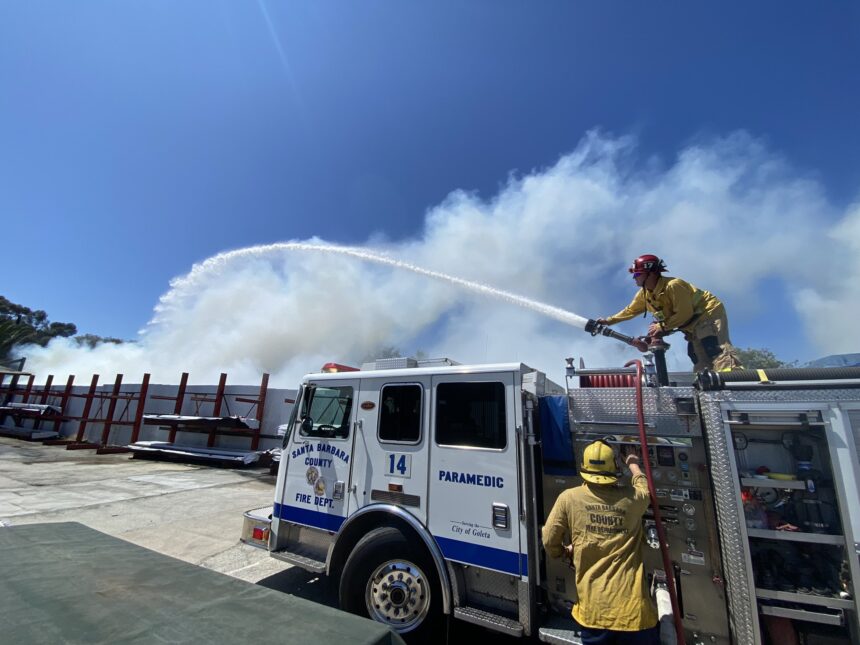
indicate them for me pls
(67, 583)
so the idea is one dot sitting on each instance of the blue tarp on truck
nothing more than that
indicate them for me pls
(555, 436)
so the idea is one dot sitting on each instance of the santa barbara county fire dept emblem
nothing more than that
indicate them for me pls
(319, 486)
(312, 475)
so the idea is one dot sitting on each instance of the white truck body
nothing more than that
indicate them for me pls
(448, 468)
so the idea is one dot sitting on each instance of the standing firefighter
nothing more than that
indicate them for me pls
(678, 305)
(604, 522)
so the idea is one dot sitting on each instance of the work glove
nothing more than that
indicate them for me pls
(630, 454)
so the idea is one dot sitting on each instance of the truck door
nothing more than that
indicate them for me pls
(391, 455)
(473, 510)
(320, 456)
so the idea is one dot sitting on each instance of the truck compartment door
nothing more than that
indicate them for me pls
(474, 510)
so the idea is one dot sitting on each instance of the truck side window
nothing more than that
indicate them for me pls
(329, 408)
(400, 413)
(471, 414)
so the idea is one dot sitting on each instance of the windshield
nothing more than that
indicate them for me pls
(328, 409)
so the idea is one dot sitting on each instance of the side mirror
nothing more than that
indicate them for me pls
(307, 425)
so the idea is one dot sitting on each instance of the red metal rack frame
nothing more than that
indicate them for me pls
(40, 395)
(109, 420)
(219, 401)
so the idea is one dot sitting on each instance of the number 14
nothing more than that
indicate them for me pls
(399, 465)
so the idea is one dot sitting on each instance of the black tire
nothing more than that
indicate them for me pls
(393, 582)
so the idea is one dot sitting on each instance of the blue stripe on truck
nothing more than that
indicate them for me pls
(308, 518)
(465, 552)
(483, 556)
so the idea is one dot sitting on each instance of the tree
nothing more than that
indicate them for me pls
(41, 329)
(62, 329)
(20, 325)
(13, 333)
(91, 340)
(761, 359)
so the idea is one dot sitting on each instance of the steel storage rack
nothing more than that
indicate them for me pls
(216, 424)
(38, 405)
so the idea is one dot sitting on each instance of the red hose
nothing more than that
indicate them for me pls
(661, 533)
(606, 380)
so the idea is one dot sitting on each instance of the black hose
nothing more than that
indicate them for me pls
(711, 380)
(597, 329)
(660, 364)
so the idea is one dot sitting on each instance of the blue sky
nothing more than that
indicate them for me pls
(140, 138)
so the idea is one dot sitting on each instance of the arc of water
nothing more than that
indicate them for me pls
(202, 269)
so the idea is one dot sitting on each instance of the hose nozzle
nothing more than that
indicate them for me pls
(593, 327)
(599, 329)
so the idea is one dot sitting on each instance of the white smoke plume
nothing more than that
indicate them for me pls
(830, 299)
(728, 214)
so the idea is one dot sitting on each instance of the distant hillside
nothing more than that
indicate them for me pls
(836, 360)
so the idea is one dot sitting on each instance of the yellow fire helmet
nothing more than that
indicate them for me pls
(598, 463)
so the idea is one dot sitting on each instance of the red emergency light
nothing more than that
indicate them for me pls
(332, 368)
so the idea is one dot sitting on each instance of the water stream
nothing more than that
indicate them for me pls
(214, 263)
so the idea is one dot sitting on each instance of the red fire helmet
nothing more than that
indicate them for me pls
(647, 263)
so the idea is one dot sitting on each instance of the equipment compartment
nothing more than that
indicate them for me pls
(792, 519)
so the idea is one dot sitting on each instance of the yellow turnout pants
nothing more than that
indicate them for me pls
(708, 344)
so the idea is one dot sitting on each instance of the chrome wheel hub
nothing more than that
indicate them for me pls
(398, 594)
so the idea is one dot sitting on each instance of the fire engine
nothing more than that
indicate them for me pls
(421, 488)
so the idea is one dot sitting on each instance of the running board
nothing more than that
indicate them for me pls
(302, 561)
(560, 630)
(559, 636)
(489, 620)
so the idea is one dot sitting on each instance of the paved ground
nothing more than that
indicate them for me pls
(190, 512)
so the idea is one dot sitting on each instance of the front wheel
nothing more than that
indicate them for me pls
(391, 581)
